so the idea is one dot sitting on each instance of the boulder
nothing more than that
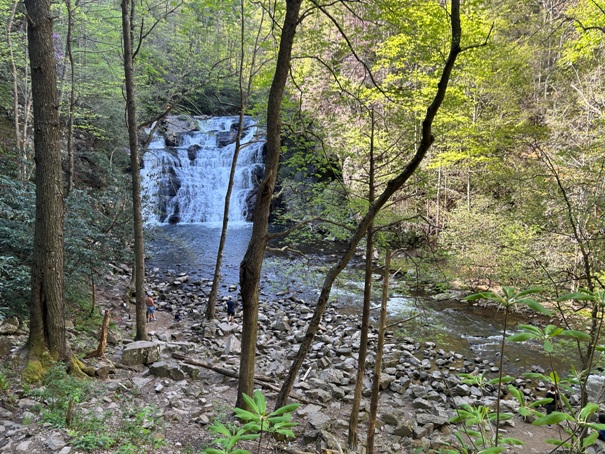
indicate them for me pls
(9, 325)
(141, 352)
(233, 346)
(167, 369)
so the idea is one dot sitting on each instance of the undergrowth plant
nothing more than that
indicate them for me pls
(258, 423)
(479, 424)
(60, 400)
(508, 299)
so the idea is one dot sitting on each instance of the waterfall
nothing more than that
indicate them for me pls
(188, 183)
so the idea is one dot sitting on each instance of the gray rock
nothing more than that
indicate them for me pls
(141, 352)
(461, 390)
(597, 448)
(55, 442)
(422, 404)
(425, 419)
(9, 325)
(6, 345)
(24, 446)
(167, 369)
(390, 419)
(386, 380)
(233, 346)
(404, 430)
(418, 390)
(595, 387)
(27, 403)
(319, 420)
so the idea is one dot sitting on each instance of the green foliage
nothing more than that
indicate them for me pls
(58, 390)
(229, 437)
(576, 426)
(16, 239)
(477, 432)
(136, 429)
(257, 423)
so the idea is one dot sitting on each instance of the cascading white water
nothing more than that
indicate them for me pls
(188, 183)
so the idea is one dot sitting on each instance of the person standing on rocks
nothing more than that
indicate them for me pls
(151, 317)
(553, 405)
(230, 310)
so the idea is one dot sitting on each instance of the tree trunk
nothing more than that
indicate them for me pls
(100, 350)
(47, 307)
(250, 268)
(365, 317)
(379, 352)
(131, 115)
(72, 99)
(244, 95)
(394, 185)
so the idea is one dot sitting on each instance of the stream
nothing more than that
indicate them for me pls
(475, 332)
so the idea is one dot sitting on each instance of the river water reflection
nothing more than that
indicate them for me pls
(460, 327)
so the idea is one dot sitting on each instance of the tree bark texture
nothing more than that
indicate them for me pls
(394, 185)
(250, 268)
(47, 307)
(137, 217)
(365, 315)
(379, 354)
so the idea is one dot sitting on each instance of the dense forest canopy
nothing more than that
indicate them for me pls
(511, 190)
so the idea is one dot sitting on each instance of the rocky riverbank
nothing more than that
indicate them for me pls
(420, 386)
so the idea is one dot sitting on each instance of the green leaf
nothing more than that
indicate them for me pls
(537, 307)
(554, 418)
(213, 451)
(511, 441)
(252, 426)
(250, 403)
(530, 291)
(581, 296)
(220, 428)
(534, 329)
(588, 410)
(548, 346)
(482, 295)
(589, 440)
(261, 402)
(520, 337)
(557, 442)
(285, 409)
(536, 375)
(494, 450)
(245, 415)
(575, 334)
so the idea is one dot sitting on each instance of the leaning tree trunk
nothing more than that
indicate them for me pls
(47, 308)
(250, 268)
(137, 217)
(394, 185)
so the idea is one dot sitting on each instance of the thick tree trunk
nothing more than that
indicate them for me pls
(250, 268)
(47, 308)
(394, 185)
(131, 116)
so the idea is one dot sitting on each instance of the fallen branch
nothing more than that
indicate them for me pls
(265, 382)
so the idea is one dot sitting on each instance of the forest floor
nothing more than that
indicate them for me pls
(186, 432)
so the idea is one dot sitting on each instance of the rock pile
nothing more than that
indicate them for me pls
(190, 363)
